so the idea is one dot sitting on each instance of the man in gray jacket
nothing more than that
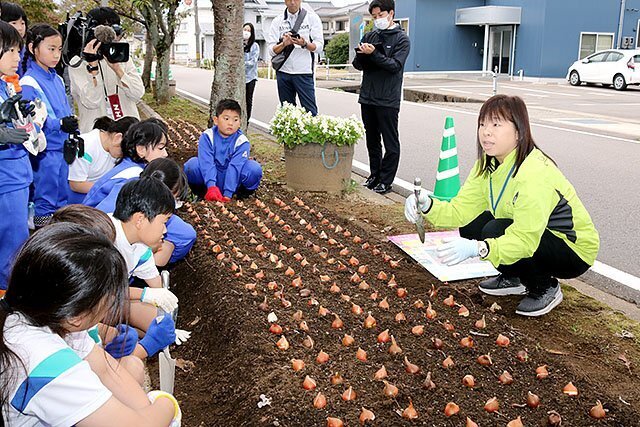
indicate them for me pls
(381, 56)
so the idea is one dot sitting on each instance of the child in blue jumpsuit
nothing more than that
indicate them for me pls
(180, 235)
(223, 163)
(15, 169)
(40, 80)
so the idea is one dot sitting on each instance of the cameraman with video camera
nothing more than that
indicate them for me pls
(101, 86)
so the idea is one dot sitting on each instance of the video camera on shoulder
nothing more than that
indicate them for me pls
(78, 31)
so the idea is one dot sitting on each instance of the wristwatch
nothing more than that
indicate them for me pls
(304, 46)
(483, 249)
(92, 69)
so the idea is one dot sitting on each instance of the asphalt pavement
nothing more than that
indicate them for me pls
(600, 160)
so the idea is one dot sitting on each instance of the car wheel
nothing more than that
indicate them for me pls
(574, 78)
(619, 83)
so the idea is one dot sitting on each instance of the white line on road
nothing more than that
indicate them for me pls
(619, 276)
(454, 90)
(617, 104)
(443, 87)
(540, 91)
(601, 94)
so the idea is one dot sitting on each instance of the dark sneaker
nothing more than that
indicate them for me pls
(536, 305)
(371, 182)
(502, 285)
(382, 188)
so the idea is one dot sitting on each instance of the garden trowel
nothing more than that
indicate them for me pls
(417, 187)
(167, 364)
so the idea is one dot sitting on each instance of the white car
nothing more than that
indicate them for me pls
(617, 67)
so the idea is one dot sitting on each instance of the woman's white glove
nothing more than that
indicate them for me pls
(160, 297)
(177, 415)
(456, 250)
(411, 207)
(182, 336)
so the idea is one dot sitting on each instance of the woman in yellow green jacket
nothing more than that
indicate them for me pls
(517, 211)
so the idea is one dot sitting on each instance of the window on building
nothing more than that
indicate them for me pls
(341, 25)
(325, 26)
(594, 42)
(182, 48)
(258, 19)
(183, 27)
(404, 24)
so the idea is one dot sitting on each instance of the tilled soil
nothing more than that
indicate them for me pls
(293, 257)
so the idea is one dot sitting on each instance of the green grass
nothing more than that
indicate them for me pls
(269, 152)
(179, 108)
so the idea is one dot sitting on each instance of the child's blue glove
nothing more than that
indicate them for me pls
(160, 334)
(124, 343)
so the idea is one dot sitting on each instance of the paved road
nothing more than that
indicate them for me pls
(605, 170)
(556, 96)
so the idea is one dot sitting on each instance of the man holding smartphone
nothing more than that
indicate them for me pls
(295, 77)
(381, 56)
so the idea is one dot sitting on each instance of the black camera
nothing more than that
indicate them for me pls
(78, 31)
(295, 35)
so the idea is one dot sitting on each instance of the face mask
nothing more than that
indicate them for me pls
(246, 35)
(381, 23)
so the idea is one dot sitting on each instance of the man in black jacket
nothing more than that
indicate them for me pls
(381, 56)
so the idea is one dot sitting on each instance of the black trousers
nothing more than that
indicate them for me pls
(553, 258)
(251, 87)
(382, 121)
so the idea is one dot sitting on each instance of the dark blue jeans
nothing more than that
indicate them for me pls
(290, 85)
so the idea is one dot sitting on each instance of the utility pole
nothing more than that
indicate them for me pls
(197, 22)
(620, 23)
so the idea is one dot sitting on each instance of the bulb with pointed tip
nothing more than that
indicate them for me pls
(570, 390)
(451, 409)
(380, 374)
(492, 405)
(394, 348)
(319, 401)
(410, 367)
(410, 412)
(366, 415)
(389, 389)
(597, 411)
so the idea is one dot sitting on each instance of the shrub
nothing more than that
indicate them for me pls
(337, 50)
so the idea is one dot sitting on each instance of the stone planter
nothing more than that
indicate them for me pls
(321, 168)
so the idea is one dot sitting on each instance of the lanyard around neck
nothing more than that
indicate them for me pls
(504, 185)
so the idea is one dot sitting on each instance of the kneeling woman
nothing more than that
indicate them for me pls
(517, 211)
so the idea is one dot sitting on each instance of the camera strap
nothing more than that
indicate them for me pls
(115, 107)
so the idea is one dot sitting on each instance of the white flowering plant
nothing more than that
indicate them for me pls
(293, 126)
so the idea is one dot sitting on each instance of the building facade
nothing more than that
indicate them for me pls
(540, 37)
(260, 13)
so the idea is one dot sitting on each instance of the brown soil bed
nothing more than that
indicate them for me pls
(235, 358)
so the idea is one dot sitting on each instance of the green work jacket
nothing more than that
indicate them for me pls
(538, 198)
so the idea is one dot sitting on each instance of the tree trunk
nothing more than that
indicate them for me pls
(161, 19)
(162, 95)
(148, 60)
(229, 76)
